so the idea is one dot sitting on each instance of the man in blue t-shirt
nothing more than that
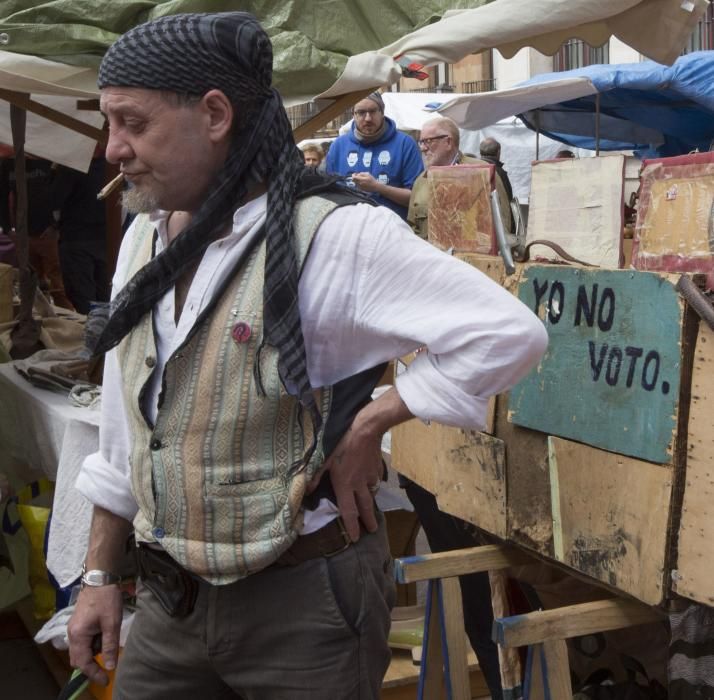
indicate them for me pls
(375, 157)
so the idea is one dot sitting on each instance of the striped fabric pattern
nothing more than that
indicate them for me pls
(221, 493)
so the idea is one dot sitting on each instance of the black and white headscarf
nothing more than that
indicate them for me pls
(191, 54)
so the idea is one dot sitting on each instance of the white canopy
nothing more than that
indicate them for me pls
(484, 108)
(658, 29)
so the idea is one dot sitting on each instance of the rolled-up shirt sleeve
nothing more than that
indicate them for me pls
(104, 477)
(400, 293)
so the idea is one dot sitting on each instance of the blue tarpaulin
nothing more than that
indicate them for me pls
(647, 107)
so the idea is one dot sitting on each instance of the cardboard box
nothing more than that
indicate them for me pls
(460, 208)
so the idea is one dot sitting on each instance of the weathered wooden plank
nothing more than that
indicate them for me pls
(491, 265)
(610, 377)
(572, 621)
(610, 517)
(464, 469)
(473, 484)
(528, 506)
(489, 557)
(695, 569)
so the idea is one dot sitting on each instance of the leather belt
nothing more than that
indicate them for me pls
(176, 589)
(325, 542)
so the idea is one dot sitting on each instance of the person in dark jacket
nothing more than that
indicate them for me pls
(83, 233)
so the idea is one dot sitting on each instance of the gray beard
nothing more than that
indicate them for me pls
(137, 202)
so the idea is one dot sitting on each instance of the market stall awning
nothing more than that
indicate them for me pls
(662, 110)
(475, 111)
(346, 47)
(655, 109)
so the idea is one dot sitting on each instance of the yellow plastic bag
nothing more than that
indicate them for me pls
(33, 507)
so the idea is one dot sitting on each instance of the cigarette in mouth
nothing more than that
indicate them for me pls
(111, 186)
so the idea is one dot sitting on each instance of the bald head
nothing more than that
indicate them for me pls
(439, 141)
(490, 148)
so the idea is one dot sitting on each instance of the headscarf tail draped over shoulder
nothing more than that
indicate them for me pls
(190, 54)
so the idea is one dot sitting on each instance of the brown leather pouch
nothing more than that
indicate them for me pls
(172, 586)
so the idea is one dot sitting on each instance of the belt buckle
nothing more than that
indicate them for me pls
(345, 537)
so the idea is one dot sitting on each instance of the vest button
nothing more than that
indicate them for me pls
(241, 332)
(150, 361)
(155, 444)
(159, 533)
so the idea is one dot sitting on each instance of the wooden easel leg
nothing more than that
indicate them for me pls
(431, 672)
(533, 686)
(456, 665)
(443, 658)
(548, 672)
(556, 661)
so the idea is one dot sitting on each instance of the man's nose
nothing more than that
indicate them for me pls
(117, 149)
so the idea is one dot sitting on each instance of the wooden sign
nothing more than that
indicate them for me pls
(611, 374)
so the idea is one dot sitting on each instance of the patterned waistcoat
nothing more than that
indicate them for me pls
(215, 477)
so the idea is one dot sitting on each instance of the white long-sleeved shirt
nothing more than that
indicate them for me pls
(370, 291)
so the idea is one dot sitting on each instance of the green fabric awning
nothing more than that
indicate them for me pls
(312, 39)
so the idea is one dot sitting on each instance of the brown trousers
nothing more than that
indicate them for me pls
(316, 631)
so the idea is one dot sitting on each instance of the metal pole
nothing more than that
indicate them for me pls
(25, 335)
(18, 119)
(597, 124)
(537, 122)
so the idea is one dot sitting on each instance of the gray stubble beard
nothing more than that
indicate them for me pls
(136, 201)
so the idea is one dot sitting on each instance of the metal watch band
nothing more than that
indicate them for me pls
(97, 577)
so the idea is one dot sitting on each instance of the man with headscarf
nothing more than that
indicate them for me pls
(376, 157)
(254, 306)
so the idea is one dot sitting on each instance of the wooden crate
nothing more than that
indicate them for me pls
(464, 469)
(694, 570)
(590, 446)
(610, 517)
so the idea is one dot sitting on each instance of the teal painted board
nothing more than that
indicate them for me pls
(610, 376)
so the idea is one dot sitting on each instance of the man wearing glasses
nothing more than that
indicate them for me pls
(439, 144)
(375, 157)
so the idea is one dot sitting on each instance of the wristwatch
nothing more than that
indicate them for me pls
(96, 578)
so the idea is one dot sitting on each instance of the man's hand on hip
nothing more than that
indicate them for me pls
(355, 465)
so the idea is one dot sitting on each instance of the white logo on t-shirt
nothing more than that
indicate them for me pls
(383, 178)
(352, 158)
(367, 159)
(384, 158)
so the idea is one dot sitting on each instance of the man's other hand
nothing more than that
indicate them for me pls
(98, 611)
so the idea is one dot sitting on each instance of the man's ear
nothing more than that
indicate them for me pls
(219, 110)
